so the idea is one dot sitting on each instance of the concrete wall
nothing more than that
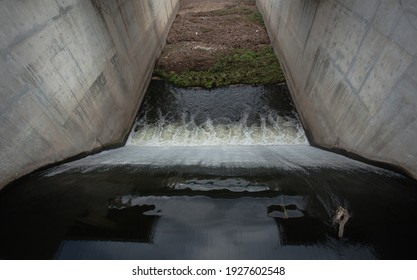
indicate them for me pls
(72, 75)
(351, 66)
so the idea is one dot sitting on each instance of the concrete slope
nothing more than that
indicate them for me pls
(352, 70)
(72, 75)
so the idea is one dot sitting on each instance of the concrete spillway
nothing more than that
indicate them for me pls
(70, 68)
(74, 74)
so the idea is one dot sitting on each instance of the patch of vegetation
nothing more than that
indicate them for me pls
(256, 17)
(252, 15)
(241, 66)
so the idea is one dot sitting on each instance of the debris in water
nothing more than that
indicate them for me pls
(341, 218)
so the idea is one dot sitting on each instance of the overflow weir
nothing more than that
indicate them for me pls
(226, 173)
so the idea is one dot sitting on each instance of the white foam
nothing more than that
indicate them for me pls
(271, 130)
(233, 185)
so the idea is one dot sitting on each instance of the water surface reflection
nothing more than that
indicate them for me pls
(122, 213)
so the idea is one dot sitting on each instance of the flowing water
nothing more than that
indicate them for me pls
(240, 115)
(211, 174)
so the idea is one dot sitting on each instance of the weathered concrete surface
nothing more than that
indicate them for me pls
(352, 70)
(72, 74)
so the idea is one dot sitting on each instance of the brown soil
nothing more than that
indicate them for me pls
(205, 29)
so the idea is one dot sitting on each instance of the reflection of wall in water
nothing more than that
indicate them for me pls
(295, 225)
(128, 224)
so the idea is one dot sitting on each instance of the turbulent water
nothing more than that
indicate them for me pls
(240, 115)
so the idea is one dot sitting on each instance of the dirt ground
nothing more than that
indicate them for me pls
(206, 29)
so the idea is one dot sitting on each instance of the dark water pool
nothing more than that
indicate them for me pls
(123, 213)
